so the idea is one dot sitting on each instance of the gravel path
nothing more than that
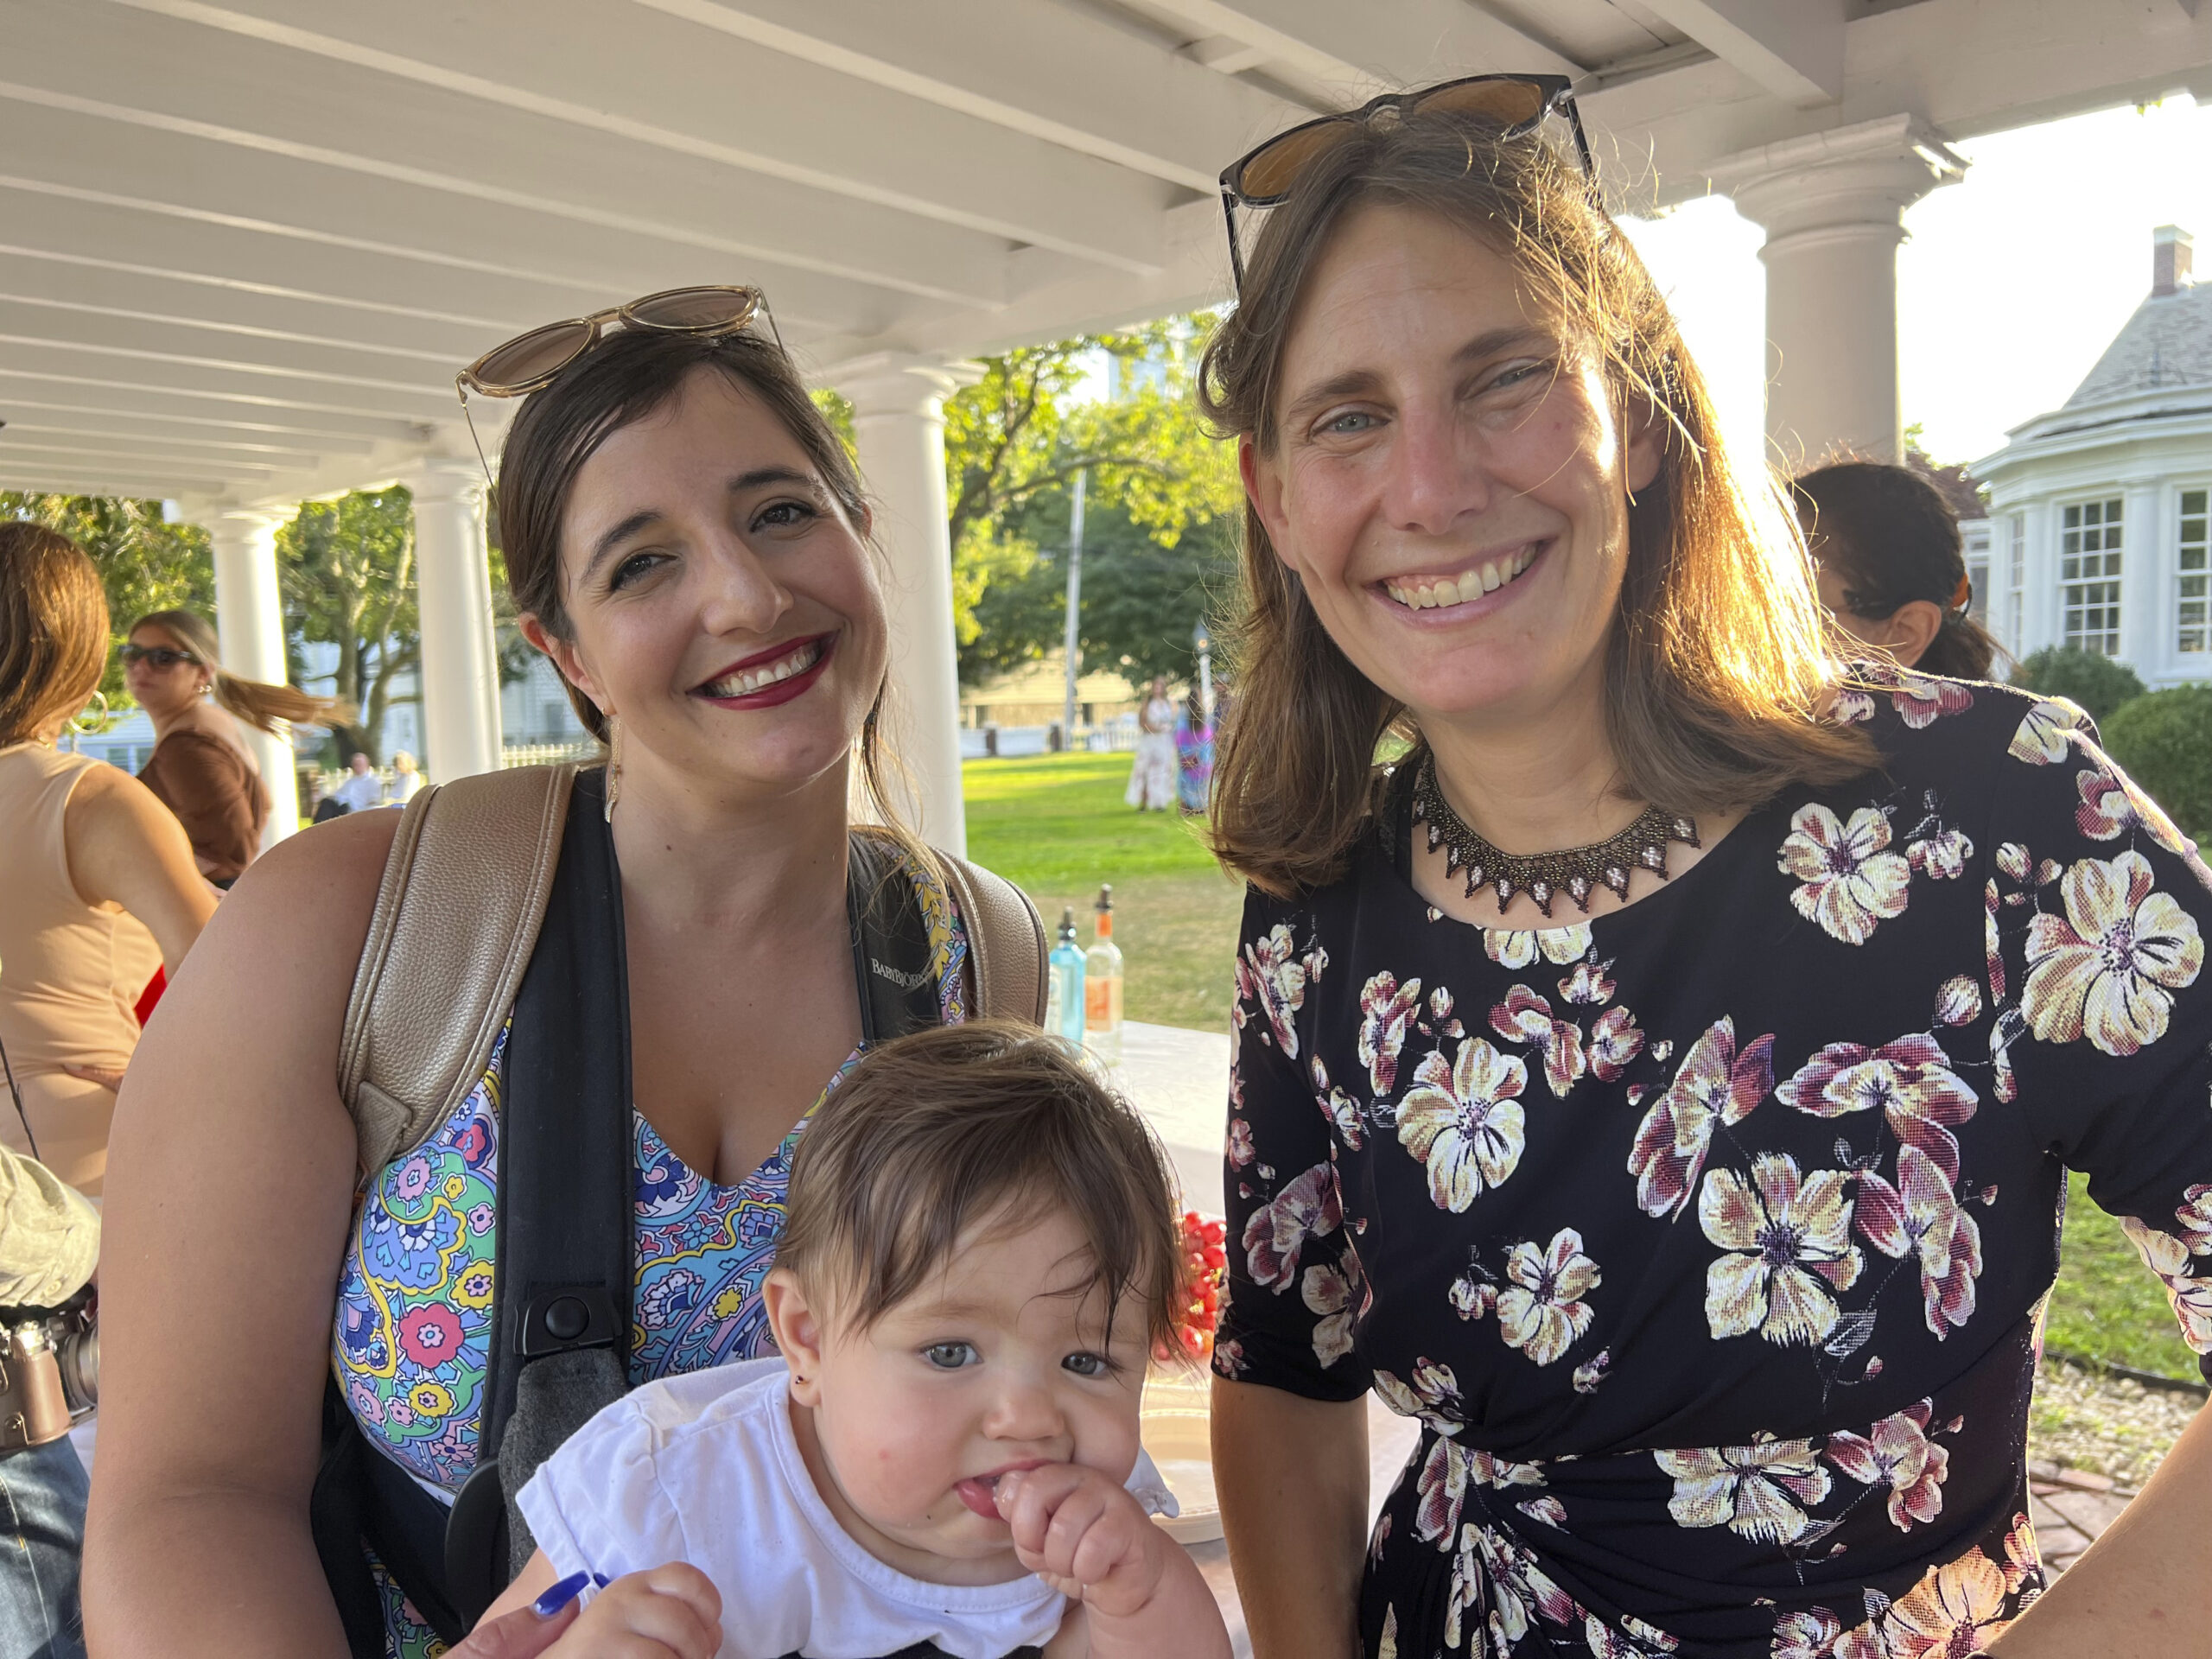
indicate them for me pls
(2113, 1426)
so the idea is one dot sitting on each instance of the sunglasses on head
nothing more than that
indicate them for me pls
(159, 655)
(534, 360)
(1516, 104)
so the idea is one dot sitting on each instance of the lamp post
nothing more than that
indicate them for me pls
(1074, 634)
(1202, 643)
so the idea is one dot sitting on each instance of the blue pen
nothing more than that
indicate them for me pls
(566, 1592)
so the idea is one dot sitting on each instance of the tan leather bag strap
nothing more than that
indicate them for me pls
(1005, 941)
(463, 892)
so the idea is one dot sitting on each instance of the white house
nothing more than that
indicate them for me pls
(2098, 510)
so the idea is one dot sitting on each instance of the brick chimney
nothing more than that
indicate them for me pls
(2170, 258)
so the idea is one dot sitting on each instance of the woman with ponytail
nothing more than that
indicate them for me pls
(201, 768)
(1886, 543)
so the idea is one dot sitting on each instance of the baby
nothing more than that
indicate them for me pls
(979, 1257)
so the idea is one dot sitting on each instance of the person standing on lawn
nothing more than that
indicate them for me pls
(1152, 772)
(1194, 752)
(1703, 1225)
(688, 541)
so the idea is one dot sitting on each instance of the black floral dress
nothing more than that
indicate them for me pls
(1708, 1240)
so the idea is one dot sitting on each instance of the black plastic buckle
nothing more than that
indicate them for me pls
(568, 1316)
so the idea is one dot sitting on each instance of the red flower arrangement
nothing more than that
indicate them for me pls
(1205, 1273)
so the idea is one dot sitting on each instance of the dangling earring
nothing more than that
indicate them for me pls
(614, 764)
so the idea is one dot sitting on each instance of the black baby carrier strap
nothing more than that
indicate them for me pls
(565, 1269)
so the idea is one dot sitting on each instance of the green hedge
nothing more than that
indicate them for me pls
(2164, 742)
(2097, 683)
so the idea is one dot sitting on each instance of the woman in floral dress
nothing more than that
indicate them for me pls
(1706, 1230)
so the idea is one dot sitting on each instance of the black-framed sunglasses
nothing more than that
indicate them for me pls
(159, 655)
(531, 361)
(1517, 105)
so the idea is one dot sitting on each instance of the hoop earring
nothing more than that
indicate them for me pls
(84, 727)
(614, 764)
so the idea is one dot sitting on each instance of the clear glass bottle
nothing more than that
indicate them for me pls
(1064, 1003)
(1102, 985)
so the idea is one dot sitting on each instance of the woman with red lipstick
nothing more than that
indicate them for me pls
(1703, 1227)
(686, 539)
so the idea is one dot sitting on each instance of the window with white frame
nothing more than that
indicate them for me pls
(2015, 582)
(2089, 575)
(2193, 631)
(1976, 547)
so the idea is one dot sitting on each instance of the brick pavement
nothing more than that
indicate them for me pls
(2069, 1507)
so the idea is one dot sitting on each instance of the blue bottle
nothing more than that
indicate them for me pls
(1064, 1005)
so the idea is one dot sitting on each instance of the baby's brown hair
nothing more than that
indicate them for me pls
(933, 1132)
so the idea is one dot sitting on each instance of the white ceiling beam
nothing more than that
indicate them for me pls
(72, 396)
(30, 282)
(68, 452)
(424, 146)
(1358, 50)
(1045, 71)
(119, 436)
(149, 366)
(45, 480)
(1965, 68)
(1794, 48)
(390, 246)
(246, 249)
(277, 359)
(1077, 302)
(75, 236)
(1225, 56)
(658, 84)
(25, 460)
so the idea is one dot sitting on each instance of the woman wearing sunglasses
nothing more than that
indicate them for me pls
(200, 768)
(687, 540)
(1660, 1047)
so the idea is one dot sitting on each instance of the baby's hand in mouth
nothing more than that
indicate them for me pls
(988, 1494)
(1083, 1534)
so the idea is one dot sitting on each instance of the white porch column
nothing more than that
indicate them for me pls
(250, 627)
(899, 422)
(2147, 613)
(460, 671)
(2045, 624)
(1833, 204)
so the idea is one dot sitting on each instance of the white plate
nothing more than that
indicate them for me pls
(1177, 1433)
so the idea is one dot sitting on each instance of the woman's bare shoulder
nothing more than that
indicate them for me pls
(329, 872)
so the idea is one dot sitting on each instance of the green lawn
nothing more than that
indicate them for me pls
(2106, 1305)
(1056, 825)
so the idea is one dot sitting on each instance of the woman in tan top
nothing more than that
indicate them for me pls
(100, 888)
(201, 769)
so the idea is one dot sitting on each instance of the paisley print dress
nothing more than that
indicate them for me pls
(1708, 1240)
(415, 1296)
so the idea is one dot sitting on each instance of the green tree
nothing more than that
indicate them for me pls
(1014, 443)
(145, 563)
(1141, 594)
(347, 569)
(2099, 685)
(2164, 740)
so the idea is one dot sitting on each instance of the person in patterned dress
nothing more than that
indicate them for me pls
(687, 540)
(1705, 1229)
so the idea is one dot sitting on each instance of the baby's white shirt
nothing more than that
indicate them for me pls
(704, 1468)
